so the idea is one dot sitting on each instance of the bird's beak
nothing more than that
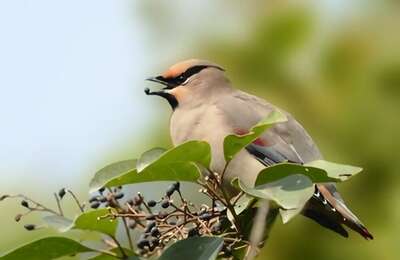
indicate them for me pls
(161, 80)
(164, 92)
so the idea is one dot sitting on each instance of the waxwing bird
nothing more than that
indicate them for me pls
(206, 107)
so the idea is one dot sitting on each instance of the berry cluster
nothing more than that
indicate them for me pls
(157, 223)
(162, 222)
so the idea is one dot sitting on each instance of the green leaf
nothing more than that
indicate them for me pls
(289, 214)
(176, 164)
(241, 205)
(110, 172)
(131, 255)
(59, 223)
(191, 151)
(239, 254)
(290, 186)
(318, 171)
(46, 249)
(334, 170)
(148, 158)
(196, 248)
(234, 143)
(282, 170)
(173, 172)
(91, 221)
(290, 192)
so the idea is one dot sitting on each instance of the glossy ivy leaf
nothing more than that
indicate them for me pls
(92, 221)
(234, 143)
(195, 248)
(290, 192)
(176, 164)
(110, 172)
(46, 249)
(59, 223)
(318, 171)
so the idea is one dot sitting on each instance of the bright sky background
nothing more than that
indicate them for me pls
(71, 81)
(71, 88)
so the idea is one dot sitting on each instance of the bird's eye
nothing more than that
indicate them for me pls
(180, 79)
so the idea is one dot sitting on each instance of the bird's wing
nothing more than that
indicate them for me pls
(289, 142)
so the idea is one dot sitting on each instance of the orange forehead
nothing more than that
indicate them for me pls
(178, 68)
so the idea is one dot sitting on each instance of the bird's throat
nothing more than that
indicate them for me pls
(173, 102)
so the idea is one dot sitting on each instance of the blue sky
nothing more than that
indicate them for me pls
(71, 87)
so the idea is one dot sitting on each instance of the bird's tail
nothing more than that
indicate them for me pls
(328, 209)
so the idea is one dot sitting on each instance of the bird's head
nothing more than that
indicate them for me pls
(189, 81)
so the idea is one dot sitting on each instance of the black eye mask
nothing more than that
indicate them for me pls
(171, 83)
(180, 79)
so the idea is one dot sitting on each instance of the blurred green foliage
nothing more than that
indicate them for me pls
(340, 77)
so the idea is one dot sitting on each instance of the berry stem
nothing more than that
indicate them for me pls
(76, 201)
(58, 204)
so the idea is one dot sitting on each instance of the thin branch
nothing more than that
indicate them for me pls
(223, 172)
(121, 249)
(257, 230)
(211, 191)
(232, 210)
(128, 234)
(145, 204)
(226, 197)
(37, 204)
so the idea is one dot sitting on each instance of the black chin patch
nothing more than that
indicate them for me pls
(173, 102)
